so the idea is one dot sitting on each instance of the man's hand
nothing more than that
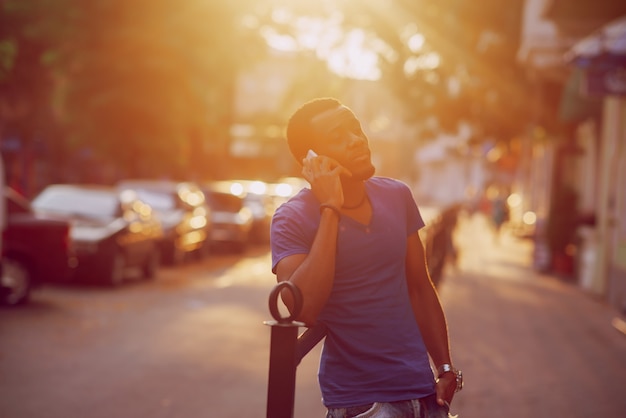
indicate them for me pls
(446, 387)
(324, 175)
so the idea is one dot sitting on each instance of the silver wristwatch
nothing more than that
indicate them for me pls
(445, 368)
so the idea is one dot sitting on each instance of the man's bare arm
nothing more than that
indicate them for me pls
(312, 273)
(426, 305)
(429, 314)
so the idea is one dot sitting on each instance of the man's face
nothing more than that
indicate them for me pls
(338, 135)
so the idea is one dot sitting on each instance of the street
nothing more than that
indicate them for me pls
(530, 345)
(192, 343)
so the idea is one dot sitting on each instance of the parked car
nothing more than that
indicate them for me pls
(256, 197)
(183, 212)
(285, 188)
(111, 231)
(232, 219)
(35, 250)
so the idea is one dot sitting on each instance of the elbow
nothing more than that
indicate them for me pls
(303, 313)
(310, 313)
(308, 317)
(299, 309)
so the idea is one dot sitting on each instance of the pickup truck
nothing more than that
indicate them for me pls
(35, 250)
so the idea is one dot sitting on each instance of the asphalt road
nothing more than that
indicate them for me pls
(191, 343)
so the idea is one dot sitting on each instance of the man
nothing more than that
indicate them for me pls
(350, 244)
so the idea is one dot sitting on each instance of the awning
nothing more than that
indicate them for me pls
(607, 42)
(602, 56)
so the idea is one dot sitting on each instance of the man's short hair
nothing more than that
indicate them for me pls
(299, 134)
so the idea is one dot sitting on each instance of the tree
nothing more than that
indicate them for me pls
(26, 87)
(430, 45)
(137, 84)
(146, 86)
(147, 80)
(477, 44)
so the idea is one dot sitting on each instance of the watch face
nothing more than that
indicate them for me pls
(444, 368)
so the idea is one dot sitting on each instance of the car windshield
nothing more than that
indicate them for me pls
(81, 202)
(159, 201)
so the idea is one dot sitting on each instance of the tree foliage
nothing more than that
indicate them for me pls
(148, 85)
(147, 76)
(25, 76)
(136, 83)
(475, 44)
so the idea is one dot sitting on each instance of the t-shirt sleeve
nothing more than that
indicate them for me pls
(287, 235)
(414, 217)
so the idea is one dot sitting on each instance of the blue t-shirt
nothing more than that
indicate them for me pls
(373, 351)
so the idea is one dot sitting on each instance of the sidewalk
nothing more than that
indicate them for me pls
(530, 345)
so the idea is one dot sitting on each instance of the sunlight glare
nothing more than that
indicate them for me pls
(349, 54)
(529, 218)
(413, 38)
(236, 189)
(284, 190)
(277, 41)
(317, 34)
(428, 61)
(514, 200)
(416, 42)
(354, 59)
(257, 187)
(281, 16)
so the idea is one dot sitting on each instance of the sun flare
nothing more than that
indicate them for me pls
(350, 54)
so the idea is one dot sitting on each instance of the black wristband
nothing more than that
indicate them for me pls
(331, 207)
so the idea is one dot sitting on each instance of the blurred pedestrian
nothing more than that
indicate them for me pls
(499, 212)
(449, 219)
(350, 244)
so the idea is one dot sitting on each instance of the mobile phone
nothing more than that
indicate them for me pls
(311, 154)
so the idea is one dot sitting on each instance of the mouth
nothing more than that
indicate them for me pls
(362, 156)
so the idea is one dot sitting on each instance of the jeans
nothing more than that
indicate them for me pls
(426, 407)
